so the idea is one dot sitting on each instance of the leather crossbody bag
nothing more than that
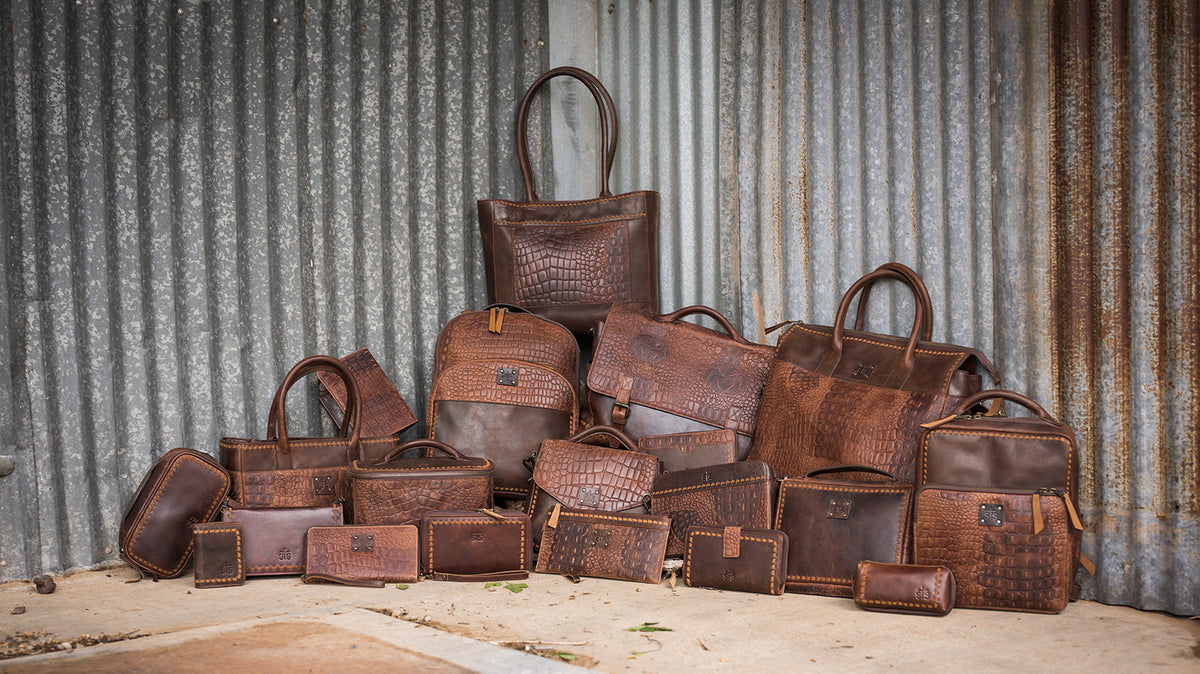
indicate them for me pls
(733, 558)
(741, 494)
(620, 546)
(368, 556)
(487, 545)
(401, 489)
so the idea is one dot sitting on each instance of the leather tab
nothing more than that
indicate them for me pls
(1038, 521)
(1088, 564)
(553, 521)
(733, 542)
(620, 410)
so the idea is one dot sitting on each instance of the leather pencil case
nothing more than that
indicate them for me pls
(733, 558)
(362, 555)
(219, 554)
(904, 588)
(486, 545)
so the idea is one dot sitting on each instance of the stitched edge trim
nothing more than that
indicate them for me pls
(238, 537)
(687, 571)
(154, 504)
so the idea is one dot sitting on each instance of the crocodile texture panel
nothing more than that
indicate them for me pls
(680, 368)
(582, 264)
(618, 546)
(405, 499)
(808, 421)
(296, 487)
(275, 536)
(384, 411)
(479, 382)
(759, 566)
(460, 543)
(738, 494)
(384, 553)
(1005, 567)
(522, 337)
(590, 477)
(680, 451)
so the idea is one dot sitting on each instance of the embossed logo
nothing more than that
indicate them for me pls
(648, 348)
(923, 594)
(839, 509)
(706, 477)
(191, 520)
(477, 536)
(863, 371)
(728, 575)
(285, 555)
(725, 378)
(599, 538)
(227, 569)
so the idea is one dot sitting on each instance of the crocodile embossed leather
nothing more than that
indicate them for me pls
(220, 554)
(741, 494)
(680, 451)
(904, 588)
(275, 537)
(400, 490)
(385, 554)
(571, 260)
(384, 411)
(733, 558)
(620, 546)
(487, 545)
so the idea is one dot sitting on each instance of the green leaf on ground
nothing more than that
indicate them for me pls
(401, 586)
(567, 656)
(488, 586)
(648, 627)
(515, 587)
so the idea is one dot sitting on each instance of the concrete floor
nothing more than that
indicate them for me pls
(274, 624)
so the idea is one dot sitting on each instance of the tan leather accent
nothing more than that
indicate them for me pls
(732, 547)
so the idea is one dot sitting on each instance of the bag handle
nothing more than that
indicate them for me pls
(427, 444)
(849, 469)
(999, 393)
(277, 423)
(592, 432)
(705, 311)
(608, 113)
(910, 277)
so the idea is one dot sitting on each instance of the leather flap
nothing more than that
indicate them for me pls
(732, 548)
(595, 478)
(506, 382)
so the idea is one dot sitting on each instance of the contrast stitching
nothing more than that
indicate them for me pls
(710, 484)
(544, 204)
(773, 543)
(154, 504)
(609, 218)
(237, 535)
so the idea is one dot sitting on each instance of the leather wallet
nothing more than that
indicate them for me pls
(275, 536)
(362, 555)
(481, 546)
(733, 558)
(604, 545)
(738, 494)
(904, 588)
(692, 449)
(218, 549)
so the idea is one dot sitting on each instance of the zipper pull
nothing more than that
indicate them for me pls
(934, 424)
(492, 514)
(1074, 515)
(553, 521)
(1038, 523)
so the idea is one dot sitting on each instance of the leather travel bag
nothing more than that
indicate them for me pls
(504, 380)
(653, 375)
(620, 546)
(733, 558)
(835, 396)
(571, 260)
(741, 494)
(400, 489)
(184, 487)
(367, 556)
(833, 524)
(483, 546)
(694, 449)
(220, 554)
(588, 477)
(904, 588)
(275, 537)
(383, 411)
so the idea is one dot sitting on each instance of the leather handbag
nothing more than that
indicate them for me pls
(184, 487)
(571, 260)
(483, 546)
(620, 546)
(400, 489)
(833, 524)
(741, 494)
(219, 554)
(652, 375)
(904, 588)
(281, 471)
(275, 537)
(733, 558)
(693, 449)
(361, 555)
(1010, 550)
(504, 380)
(835, 396)
(588, 477)
(383, 410)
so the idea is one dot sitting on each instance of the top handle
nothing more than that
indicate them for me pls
(608, 116)
(276, 419)
(705, 311)
(909, 277)
(621, 438)
(425, 444)
(1001, 394)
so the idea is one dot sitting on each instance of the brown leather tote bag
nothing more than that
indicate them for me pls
(570, 260)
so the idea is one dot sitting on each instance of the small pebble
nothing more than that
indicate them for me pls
(44, 584)
(18, 610)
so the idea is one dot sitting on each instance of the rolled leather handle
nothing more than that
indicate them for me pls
(1005, 394)
(610, 431)
(913, 280)
(705, 311)
(276, 418)
(849, 469)
(426, 444)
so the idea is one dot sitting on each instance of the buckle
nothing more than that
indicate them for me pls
(620, 413)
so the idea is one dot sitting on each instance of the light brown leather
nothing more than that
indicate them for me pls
(620, 546)
(219, 554)
(387, 554)
(476, 546)
(275, 537)
(758, 566)
(400, 490)
(735, 494)
(384, 411)
(904, 588)
(503, 332)
(695, 449)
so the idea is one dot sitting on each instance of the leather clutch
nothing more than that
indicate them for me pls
(739, 494)
(219, 547)
(604, 545)
(733, 558)
(362, 555)
(903, 588)
(384, 411)
(487, 545)
(692, 449)
(275, 536)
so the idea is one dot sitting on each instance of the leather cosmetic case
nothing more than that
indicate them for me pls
(733, 558)
(487, 545)
(400, 490)
(741, 494)
(904, 588)
(275, 537)
(369, 556)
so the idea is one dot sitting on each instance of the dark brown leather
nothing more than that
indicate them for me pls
(675, 376)
(756, 562)
(835, 396)
(384, 411)
(294, 472)
(400, 490)
(904, 588)
(184, 487)
(694, 449)
(476, 546)
(909, 277)
(986, 538)
(571, 260)
(739, 494)
(620, 546)
(586, 477)
(834, 524)
(385, 554)
(219, 561)
(275, 536)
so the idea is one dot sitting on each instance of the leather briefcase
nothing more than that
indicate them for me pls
(504, 380)
(904, 588)
(571, 260)
(693, 449)
(586, 477)
(835, 396)
(383, 410)
(275, 537)
(741, 494)
(184, 487)
(833, 524)
(483, 546)
(1010, 550)
(733, 558)
(652, 375)
(400, 490)
(620, 546)
(220, 547)
(368, 556)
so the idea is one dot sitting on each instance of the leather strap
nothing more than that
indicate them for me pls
(1003, 394)
(420, 443)
(276, 421)
(518, 574)
(706, 311)
(910, 277)
(849, 469)
(731, 540)
(592, 432)
(321, 577)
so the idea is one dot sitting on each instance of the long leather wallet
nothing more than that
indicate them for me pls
(362, 555)
(275, 536)
(487, 545)
(738, 494)
(903, 588)
(733, 558)
(219, 554)
(691, 449)
(604, 545)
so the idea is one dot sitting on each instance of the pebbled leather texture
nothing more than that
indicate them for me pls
(468, 545)
(759, 565)
(219, 554)
(739, 494)
(275, 537)
(390, 556)
(522, 337)
(403, 498)
(384, 411)
(1005, 567)
(694, 449)
(605, 545)
(904, 588)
